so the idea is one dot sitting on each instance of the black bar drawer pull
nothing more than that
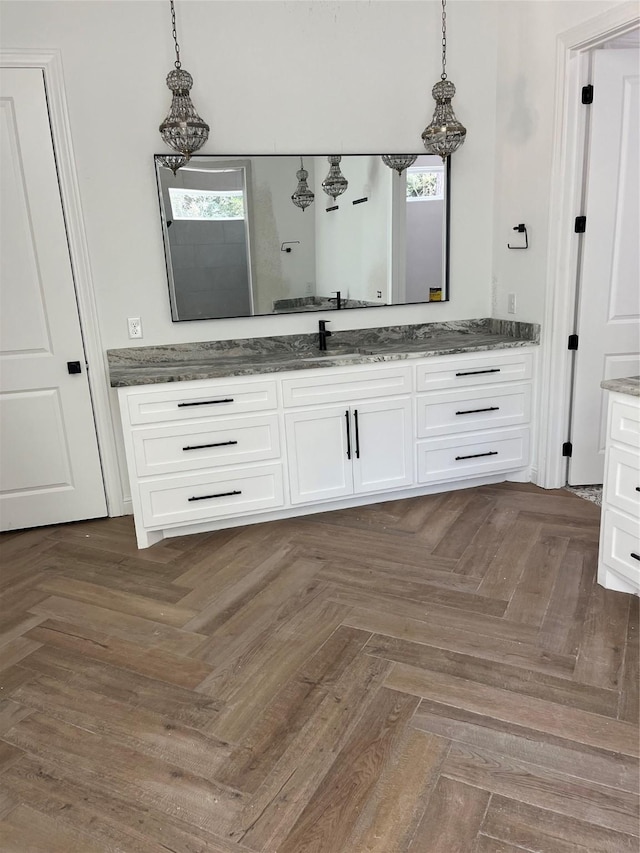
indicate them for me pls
(220, 495)
(478, 455)
(475, 411)
(203, 446)
(635, 556)
(478, 372)
(355, 416)
(206, 402)
(346, 415)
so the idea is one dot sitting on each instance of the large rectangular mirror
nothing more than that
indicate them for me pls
(236, 245)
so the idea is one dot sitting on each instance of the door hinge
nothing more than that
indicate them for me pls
(573, 342)
(587, 94)
(567, 448)
(580, 225)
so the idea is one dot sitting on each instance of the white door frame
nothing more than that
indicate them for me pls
(570, 123)
(50, 62)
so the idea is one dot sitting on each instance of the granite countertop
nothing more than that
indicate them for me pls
(629, 385)
(214, 359)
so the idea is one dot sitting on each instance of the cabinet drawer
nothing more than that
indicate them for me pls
(625, 423)
(198, 401)
(312, 389)
(622, 485)
(205, 444)
(620, 542)
(462, 411)
(462, 371)
(205, 497)
(467, 456)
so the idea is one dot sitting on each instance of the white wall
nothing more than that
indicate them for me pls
(528, 33)
(271, 77)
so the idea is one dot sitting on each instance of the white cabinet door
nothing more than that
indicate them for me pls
(382, 445)
(319, 450)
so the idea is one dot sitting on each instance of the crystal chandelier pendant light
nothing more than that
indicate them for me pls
(399, 162)
(173, 161)
(303, 196)
(445, 134)
(335, 183)
(183, 129)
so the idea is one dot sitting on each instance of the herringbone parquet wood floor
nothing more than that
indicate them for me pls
(438, 674)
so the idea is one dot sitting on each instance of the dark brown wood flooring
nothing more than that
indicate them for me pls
(440, 674)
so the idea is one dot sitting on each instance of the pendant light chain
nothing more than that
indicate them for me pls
(443, 76)
(174, 33)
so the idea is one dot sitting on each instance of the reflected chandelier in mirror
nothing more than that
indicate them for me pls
(237, 245)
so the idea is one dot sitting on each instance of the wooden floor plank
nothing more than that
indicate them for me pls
(331, 814)
(96, 645)
(463, 642)
(522, 680)
(389, 821)
(548, 832)
(543, 788)
(122, 602)
(121, 822)
(278, 803)
(26, 828)
(145, 632)
(452, 819)
(629, 706)
(559, 754)
(149, 781)
(536, 714)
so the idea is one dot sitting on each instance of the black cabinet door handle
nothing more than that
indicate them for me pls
(203, 446)
(635, 556)
(220, 495)
(477, 455)
(346, 415)
(206, 402)
(475, 411)
(478, 372)
(355, 415)
(637, 488)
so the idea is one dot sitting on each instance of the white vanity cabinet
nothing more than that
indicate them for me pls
(361, 443)
(335, 452)
(473, 415)
(619, 554)
(213, 453)
(201, 451)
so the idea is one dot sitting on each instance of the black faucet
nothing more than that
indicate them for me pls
(338, 299)
(323, 334)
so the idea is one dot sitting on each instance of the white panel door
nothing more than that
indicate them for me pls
(49, 463)
(383, 445)
(609, 299)
(319, 451)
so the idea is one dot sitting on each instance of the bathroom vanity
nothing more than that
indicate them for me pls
(619, 554)
(230, 433)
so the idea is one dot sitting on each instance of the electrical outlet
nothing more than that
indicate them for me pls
(135, 327)
(511, 303)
